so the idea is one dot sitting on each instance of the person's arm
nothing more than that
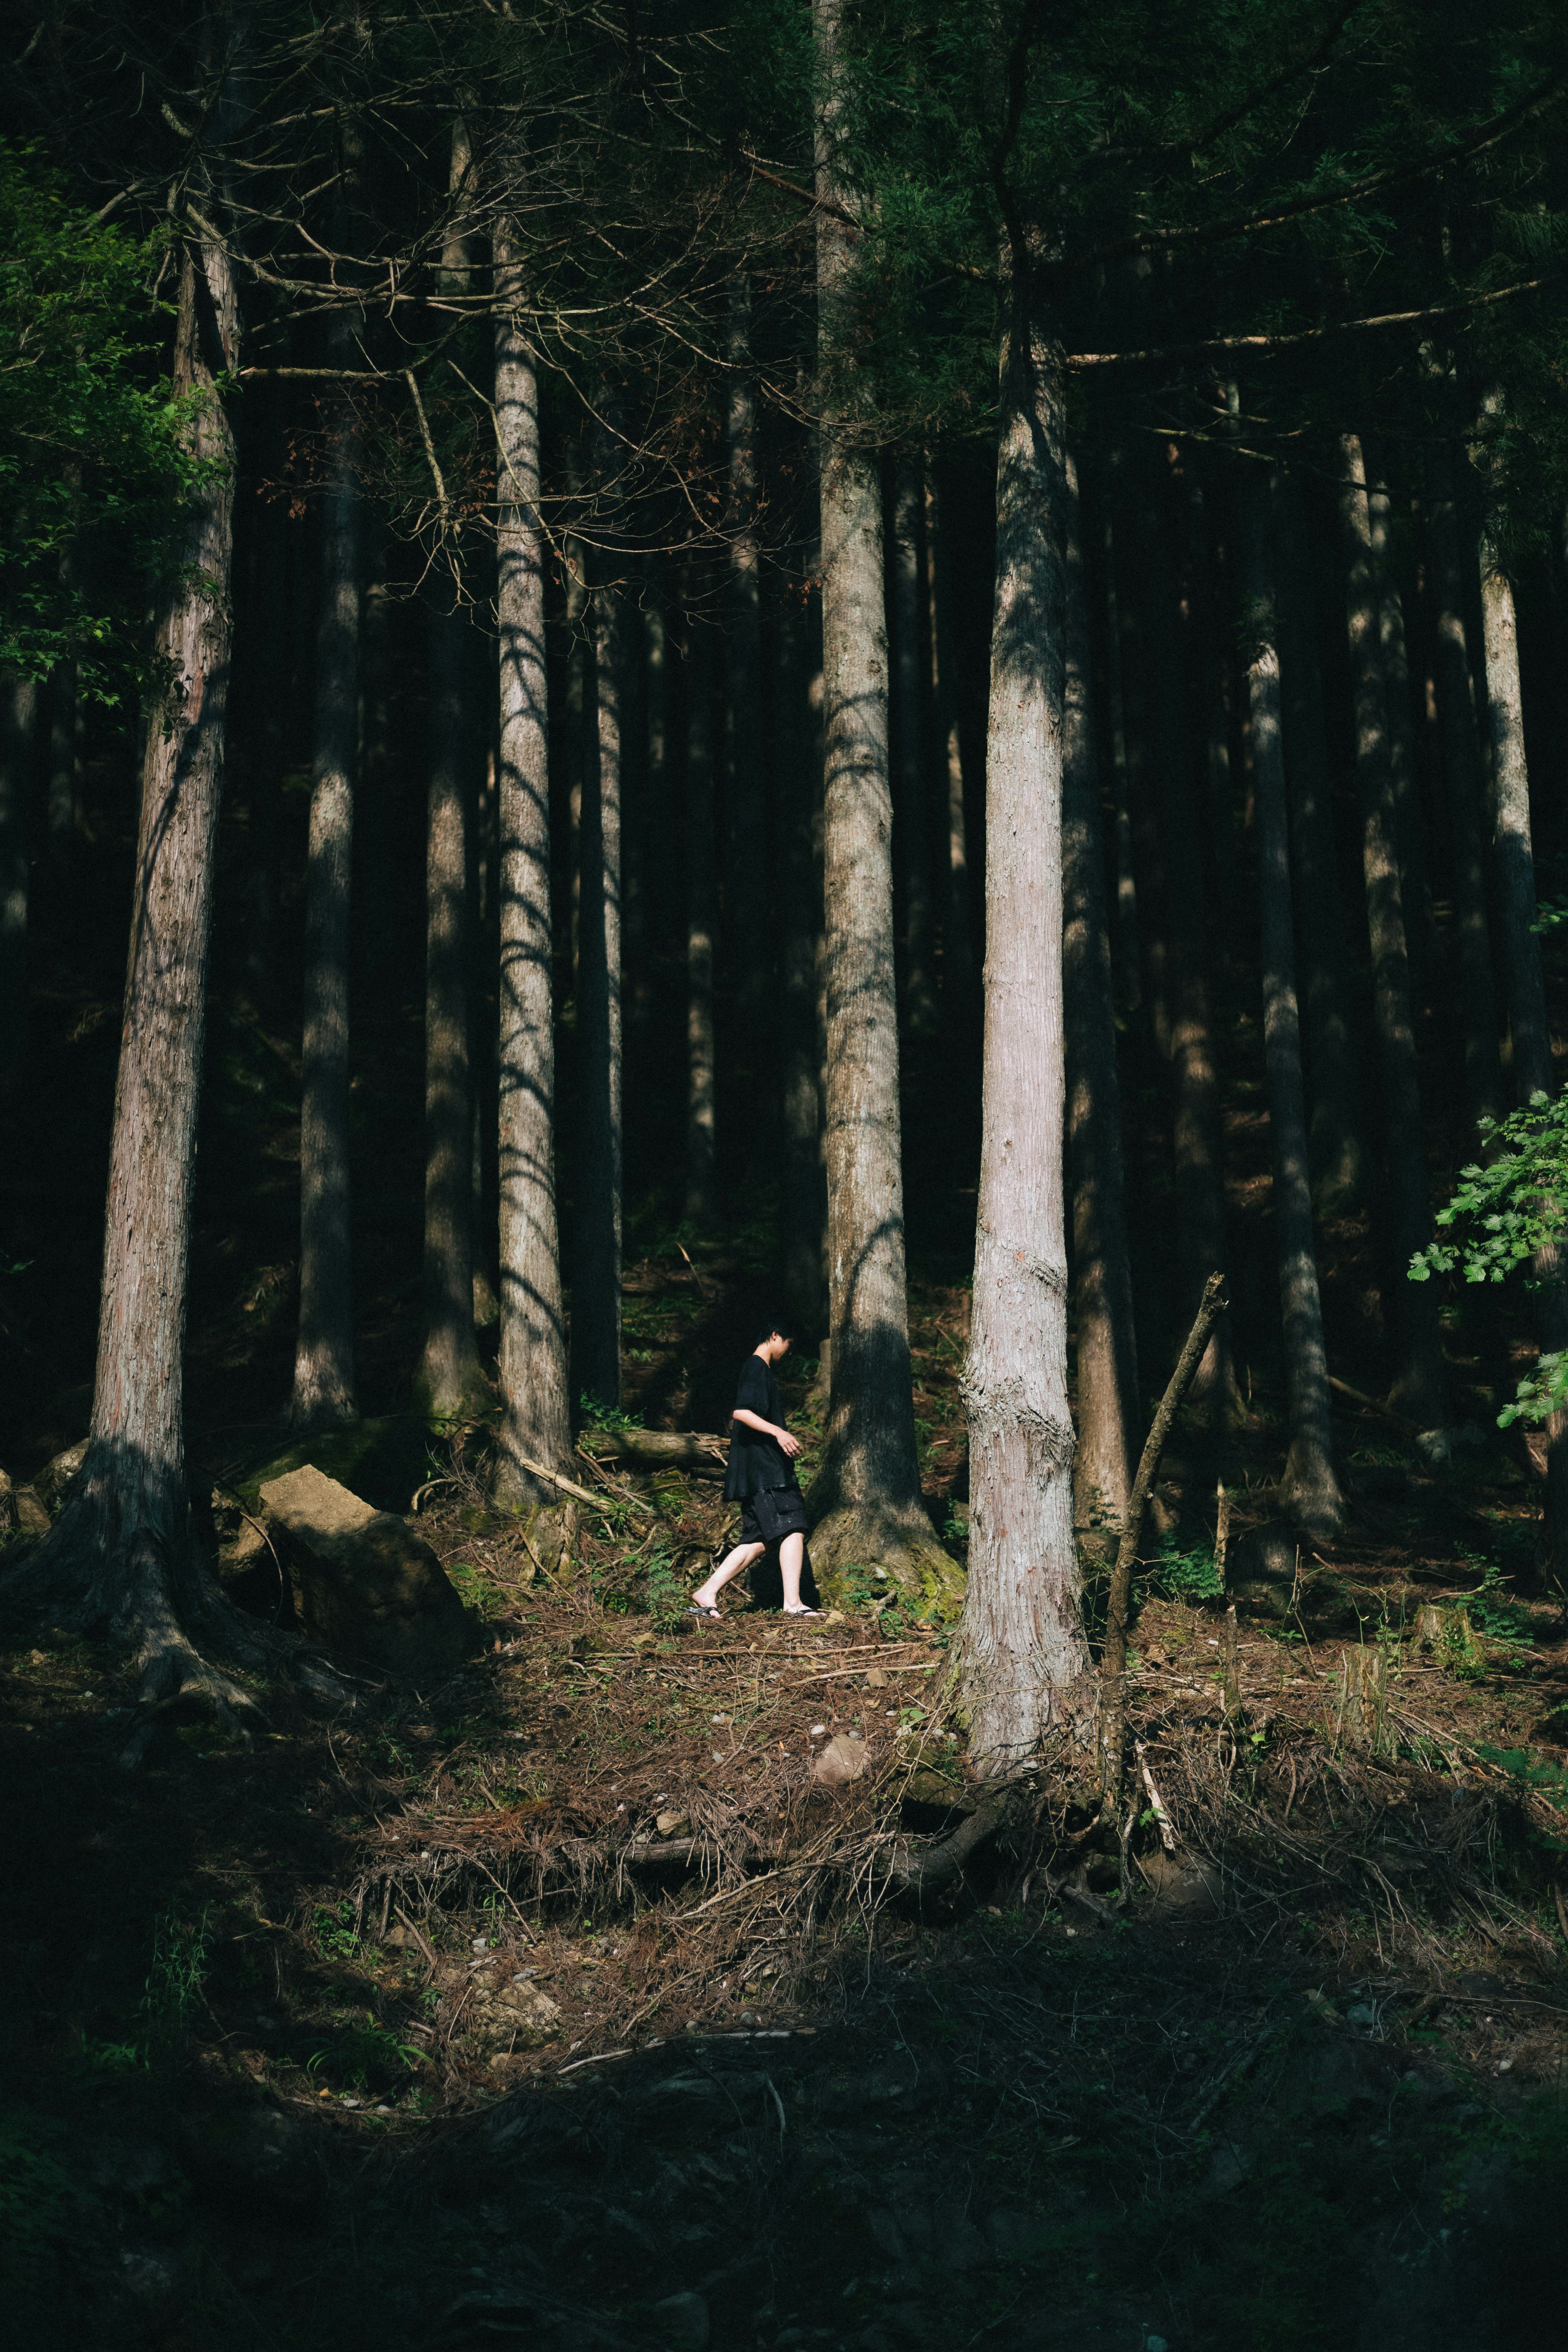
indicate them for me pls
(767, 1429)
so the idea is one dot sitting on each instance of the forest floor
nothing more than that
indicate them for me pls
(569, 2005)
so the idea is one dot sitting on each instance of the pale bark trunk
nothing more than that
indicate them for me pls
(18, 711)
(1107, 1354)
(1457, 723)
(909, 802)
(1309, 1487)
(121, 1557)
(867, 1497)
(449, 1381)
(701, 918)
(1025, 1656)
(1533, 1076)
(1418, 1384)
(324, 1354)
(533, 1353)
(1335, 1138)
(596, 1268)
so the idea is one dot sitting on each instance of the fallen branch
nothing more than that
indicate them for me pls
(1402, 1422)
(1114, 1656)
(570, 1487)
(658, 1449)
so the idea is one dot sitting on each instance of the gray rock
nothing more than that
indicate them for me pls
(682, 2321)
(53, 1480)
(366, 1585)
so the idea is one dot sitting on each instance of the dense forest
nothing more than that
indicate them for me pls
(897, 675)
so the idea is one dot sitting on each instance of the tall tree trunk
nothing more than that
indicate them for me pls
(596, 1268)
(450, 1382)
(1101, 1270)
(1418, 1384)
(702, 921)
(121, 1557)
(1309, 1487)
(748, 900)
(957, 923)
(537, 1424)
(19, 713)
(1533, 1076)
(801, 910)
(1407, 818)
(1025, 1656)
(324, 1353)
(1126, 951)
(909, 797)
(866, 1501)
(1476, 1010)
(1336, 1146)
(1195, 1062)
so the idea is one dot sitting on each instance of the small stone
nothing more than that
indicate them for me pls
(480, 1944)
(818, 1730)
(841, 1760)
(876, 1679)
(1361, 2013)
(682, 2321)
(32, 1517)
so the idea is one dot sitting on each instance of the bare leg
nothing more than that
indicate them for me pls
(792, 1560)
(707, 1595)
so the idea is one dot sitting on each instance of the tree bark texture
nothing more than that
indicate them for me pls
(1101, 1270)
(1465, 793)
(1418, 1385)
(866, 1501)
(909, 795)
(122, 1556)
(702, 923)
(1195, 1061)
(802, 909)
(18, 711)
(1407, 816)
(450, 1382)
(537, 1421)
(596, 1266)
(1024, 1656)
(1336, 1141)
(1309, 1487)
(958, 922)
(1534, 1074)
(324, 1354)
(749, 895)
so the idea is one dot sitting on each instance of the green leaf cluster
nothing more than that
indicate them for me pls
(94, 462)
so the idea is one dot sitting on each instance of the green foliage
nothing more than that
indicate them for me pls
(605, 1416)
(1501, 1215)
(667, 1588)
(337, 1936)
(1550, 1779)
(92, 444)
(364, 2055)
(1493, 1611)
(1188, 1575)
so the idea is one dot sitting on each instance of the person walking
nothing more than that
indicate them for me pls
(762, 1479)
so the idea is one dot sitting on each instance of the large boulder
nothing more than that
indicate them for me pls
(365, 1584)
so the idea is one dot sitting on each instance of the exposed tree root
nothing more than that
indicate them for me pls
(103, 1572)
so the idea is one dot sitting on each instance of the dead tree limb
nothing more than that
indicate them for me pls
(1113, 1654)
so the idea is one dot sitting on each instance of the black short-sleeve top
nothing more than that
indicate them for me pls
(756, 1463)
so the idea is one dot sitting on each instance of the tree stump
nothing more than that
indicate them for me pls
(1362, 1700)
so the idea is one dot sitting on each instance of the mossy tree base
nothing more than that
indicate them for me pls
(900, 1542)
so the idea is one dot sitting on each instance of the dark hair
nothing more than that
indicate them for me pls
(778, 1329)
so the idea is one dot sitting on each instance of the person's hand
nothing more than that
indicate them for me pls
(790, 1445)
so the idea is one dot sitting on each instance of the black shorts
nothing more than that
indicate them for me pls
(767, 1517)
